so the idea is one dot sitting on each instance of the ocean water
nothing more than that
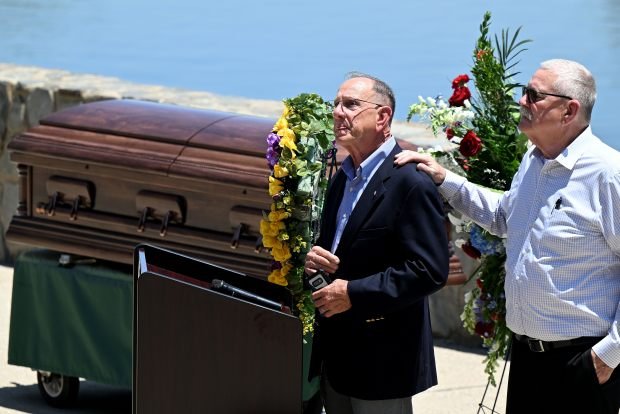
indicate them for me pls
(274, 49)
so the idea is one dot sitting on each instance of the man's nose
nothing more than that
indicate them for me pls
(338, 111)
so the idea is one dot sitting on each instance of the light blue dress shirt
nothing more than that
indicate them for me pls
(357, 180)
(561, 220)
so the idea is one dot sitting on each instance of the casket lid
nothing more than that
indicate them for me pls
(221, 131)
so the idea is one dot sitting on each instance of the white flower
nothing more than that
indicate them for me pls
(459, 243)
(456, 221)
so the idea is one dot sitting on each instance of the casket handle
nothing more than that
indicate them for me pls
(258, 247)
(142, 220)
(51, 208)
(169, 208)
(164, 223)
(65, 191)
(246, 221)
(74, 209)
(241, 228)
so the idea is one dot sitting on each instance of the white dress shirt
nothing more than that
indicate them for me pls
(561, 220)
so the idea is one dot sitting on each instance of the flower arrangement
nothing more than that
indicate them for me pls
(298, 151)
(486, 147)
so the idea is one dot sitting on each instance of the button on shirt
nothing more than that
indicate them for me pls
(561, 220)
(357, 180)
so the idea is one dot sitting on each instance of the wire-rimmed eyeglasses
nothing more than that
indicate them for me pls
(352, 104)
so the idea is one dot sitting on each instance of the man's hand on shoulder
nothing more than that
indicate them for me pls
(426, 164)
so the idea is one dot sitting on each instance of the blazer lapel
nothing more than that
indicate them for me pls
(370, 198)
(333, 198)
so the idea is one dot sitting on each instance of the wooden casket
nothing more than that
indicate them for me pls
(100, 178)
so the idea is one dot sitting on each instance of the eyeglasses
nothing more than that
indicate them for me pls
(532, 95)
(353, 104)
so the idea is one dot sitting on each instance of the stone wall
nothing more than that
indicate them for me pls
(27, 94)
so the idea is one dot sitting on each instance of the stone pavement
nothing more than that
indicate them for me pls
(461, 380)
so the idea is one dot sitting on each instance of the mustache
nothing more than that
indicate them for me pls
(525, 113)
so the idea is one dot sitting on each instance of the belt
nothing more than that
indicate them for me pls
(536, 345)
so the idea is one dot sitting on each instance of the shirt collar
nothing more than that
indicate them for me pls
(371, 162)
(571, 154)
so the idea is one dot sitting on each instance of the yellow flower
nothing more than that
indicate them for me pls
(288, 140)
(278, 215)
(281, 252)
(286, 267)
(277, 278)
(280, 171)
(275, 186)
(281, 123)
(270, 241)
(271, 228)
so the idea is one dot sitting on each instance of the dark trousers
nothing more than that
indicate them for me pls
(562, 380)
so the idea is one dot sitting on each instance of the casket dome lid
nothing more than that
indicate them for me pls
(221, 131)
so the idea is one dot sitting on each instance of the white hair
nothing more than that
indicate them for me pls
(574, 80)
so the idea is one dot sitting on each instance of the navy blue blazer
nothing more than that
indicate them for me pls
(394, 253)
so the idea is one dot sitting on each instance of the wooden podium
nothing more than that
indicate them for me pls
(197, 350)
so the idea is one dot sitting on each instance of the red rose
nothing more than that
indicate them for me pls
(460, 81)
(470, 144)
(459, 96)
(449, 133)
(471, 251)
(479, 283)
(484, 329)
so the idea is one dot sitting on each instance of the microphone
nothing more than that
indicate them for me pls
(224, 287)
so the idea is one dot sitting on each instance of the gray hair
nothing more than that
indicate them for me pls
(379, 87)
(574, 80)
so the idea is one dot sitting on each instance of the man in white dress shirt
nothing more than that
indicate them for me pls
(561, 220)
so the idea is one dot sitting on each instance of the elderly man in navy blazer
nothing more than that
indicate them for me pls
(384, 246)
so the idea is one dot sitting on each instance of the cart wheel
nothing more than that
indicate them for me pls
(58, 390)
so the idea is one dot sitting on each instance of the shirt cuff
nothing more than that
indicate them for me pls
(609, 351)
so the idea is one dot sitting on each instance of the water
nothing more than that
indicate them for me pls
(274, 49)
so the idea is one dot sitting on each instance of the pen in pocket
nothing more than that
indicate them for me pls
(558, 204)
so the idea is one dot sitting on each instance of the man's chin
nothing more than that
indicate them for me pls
(342, 136)
(524, 124)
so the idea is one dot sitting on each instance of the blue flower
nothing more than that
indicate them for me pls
(484, 242)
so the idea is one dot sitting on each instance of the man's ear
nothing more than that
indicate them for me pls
(571, 111)
(384, 114)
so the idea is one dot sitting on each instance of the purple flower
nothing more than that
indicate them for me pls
(273, 139)
(272, 157)
(273, 151)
